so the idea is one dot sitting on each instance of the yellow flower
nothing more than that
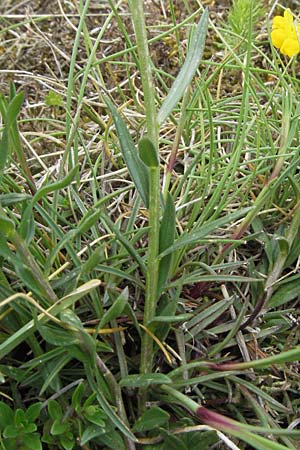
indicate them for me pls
(285, 34)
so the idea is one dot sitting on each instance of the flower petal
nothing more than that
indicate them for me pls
(278, 37)
(288, 16)
(278, 22)
(290, 47)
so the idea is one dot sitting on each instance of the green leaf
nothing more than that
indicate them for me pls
(10, 432)
(54, 410)
(4, 150)
(26, 228)
(26, 330)
(77, 397)
(144, 380)
(259, 442)
(14, 108)
(48, 439)
(166, 240)
(33, 441)
(91, 432)
(202, 320)
(3, 106)
(172, 442)
(29, 428)
(77, 353)
(28, 278)
(51, 373)
(12, 90)
(171, 319)
(148, 152)
(112, 440)
(7, 226)
(12, 198)
(203, 440)
(137, 169)
(5, 251)
(20, 417)
(287, 291)
(33, 412)
(283, 244)
(151, 419)
(6, 415)
(125, 242)
(95, 415)
(188, 69)
(107, 408)
(195, 235)
(116, 309)
(69, 317)
(58, 427)
(57, 336)
(67, 442)
(55, 186)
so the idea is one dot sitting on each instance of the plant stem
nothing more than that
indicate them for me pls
(151, 279)
(152, 269)
(138, 18)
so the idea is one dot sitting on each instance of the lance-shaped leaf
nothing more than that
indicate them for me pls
(137, 169)
(188, 69)
(148, 152)
(116, 309)
(166, 239)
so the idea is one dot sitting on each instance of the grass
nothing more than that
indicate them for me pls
(149, 228)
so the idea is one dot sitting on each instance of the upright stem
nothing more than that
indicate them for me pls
(138, 18)
(152, 270)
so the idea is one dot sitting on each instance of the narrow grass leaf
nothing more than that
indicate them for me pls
(127, 244)
(262, 394)
(55, 186)
(195, 235)
(286, 292)
(281, 358)
(55, 372)
(144, 380)
(119, 274)
(260, 442)
(171, 319)
(207, 313)
(187, 71)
